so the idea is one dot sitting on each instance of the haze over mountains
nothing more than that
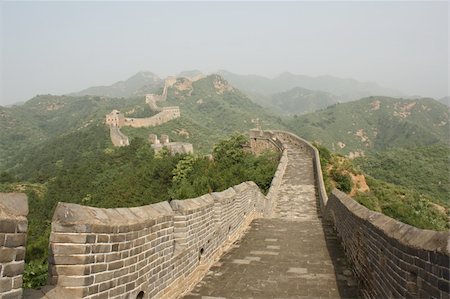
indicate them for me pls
(138, 84)
(209, 114)
(343, 89)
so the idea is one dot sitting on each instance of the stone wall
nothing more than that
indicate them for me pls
(390, 258)
(13, 235)
(305, 145)
(279, 139)
(167, 114)
(161, 249)
(117, 137)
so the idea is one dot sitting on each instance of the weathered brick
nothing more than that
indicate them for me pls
(17, 282)
(13, 269)
(95, 268)
(117, 238)
(91, 238)
(130, 286)
(68, 270)
(444, 285)
(110, 257)
(103, 276)
(22, 226)
(20, 253)
(120, 272)
(8, 225)
(7, 254)
(5, 284)
(13, 294)
(117, 291)
(15, 240)
(106, 285)
(71, 260)
(68, 238)
(103, 295)
(93, 289)
(101, 248)
(102, 238)
(115, 265)
(75, 281)
(69, 249)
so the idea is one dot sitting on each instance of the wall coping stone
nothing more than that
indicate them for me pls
(192, 203)
(69, 213)
(404, 233)
(13, 205)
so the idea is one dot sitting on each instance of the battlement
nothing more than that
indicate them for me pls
(160, 250)
(173, 147)
(13, 236)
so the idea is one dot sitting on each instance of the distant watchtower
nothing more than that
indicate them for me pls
(115, 118)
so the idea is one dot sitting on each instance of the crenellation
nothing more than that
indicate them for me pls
(13, 236)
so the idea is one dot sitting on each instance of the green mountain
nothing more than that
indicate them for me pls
(210, 109)
(424, 170)
(375, 123)
(345, 89)
(297, 101)
(137, 85)
(46, 116)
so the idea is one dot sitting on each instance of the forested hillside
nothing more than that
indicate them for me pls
(405, 202)
(375, 123)
(210, 109)
(424, 170)
(83, 168)
(45, 117)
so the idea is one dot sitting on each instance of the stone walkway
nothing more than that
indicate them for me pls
(292, 255)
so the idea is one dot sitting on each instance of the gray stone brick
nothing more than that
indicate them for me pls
(7, 254)
(13, 269)
(71, 260)
(17, 282)
(15, 240)
(8, 225)
(13, 294)
(69, 249)
(5, 284)
(20, 253)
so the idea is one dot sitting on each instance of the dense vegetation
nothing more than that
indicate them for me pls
(424, 170)
(101, 176)
(404, 204)
(45, 117)
(374, 124)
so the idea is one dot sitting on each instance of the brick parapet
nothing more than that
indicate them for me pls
(162, 249)
(13, 236)
(391, 259)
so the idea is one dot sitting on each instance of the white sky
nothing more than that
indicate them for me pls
(60, 47)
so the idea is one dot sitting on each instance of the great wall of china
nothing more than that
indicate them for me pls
(116, 119)
(236, 243)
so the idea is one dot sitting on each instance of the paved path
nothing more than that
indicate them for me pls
(292, 255)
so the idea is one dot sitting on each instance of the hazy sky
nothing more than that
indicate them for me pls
(60, 47)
